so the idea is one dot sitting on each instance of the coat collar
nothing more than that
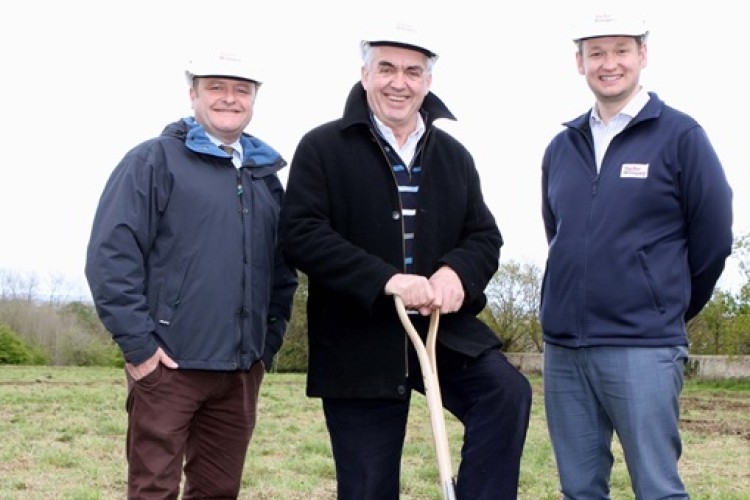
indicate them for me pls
(256, 153)
(651, 110)
(356, 110)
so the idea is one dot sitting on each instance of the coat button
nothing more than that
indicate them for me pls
(395, 215)
(401, 390)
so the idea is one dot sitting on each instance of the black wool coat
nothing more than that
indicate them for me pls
(341, 226)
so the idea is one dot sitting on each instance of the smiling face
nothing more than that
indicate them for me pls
(612, 67)
(396, 80)
(224, 106)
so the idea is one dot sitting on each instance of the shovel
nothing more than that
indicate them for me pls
(427, 362)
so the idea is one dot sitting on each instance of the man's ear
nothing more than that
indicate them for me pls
(579, 63)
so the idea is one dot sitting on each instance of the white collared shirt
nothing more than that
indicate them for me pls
(407, 151)
(236, 155)
(603, 133)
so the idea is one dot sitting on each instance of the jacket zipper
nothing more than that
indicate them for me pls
(584, 256)
(240, 191)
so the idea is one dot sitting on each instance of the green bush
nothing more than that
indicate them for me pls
(14, 351)
(292, 357)
(80, 348)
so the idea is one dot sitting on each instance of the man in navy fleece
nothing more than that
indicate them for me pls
(638, 216)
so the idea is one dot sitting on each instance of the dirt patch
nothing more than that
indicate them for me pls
(716, 414)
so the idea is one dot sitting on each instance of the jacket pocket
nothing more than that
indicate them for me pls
(656, 297)
(170, 297)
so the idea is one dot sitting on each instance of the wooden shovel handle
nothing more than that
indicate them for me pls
(428, 365)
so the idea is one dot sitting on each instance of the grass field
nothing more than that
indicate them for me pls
(62, 437)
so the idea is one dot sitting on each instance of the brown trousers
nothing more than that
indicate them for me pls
(201, 419)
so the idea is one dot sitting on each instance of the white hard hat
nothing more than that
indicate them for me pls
(605, 24)
(400, 35)
(221, 63)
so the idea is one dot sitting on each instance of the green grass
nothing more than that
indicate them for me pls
(62, 432)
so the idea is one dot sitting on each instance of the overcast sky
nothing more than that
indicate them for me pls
(85, 81)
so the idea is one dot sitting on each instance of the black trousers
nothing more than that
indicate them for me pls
(487, 394)
(202, 418)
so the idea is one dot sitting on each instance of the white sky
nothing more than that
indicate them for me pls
(85, 81)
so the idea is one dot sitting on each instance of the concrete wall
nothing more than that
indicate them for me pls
(703, 367)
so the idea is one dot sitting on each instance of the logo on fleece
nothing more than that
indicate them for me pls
(634, 170)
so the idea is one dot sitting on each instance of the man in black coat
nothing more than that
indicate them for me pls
(381, 202)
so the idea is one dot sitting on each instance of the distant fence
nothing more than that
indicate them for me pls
(698, 367)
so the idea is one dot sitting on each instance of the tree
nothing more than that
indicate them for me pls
(742, 254)
(14, 285)
(708, 331)
(723, 326)
(512, 307)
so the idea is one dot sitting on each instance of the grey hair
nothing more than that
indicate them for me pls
(366, 51)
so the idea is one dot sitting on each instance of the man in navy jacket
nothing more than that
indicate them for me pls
(638, 216)
(381, 202)
(187, 274)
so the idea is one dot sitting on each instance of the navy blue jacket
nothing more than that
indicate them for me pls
(342, 226)
(634, 251)
(184, 252)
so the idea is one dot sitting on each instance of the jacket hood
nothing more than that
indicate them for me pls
(256, 152)
(356, 109)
